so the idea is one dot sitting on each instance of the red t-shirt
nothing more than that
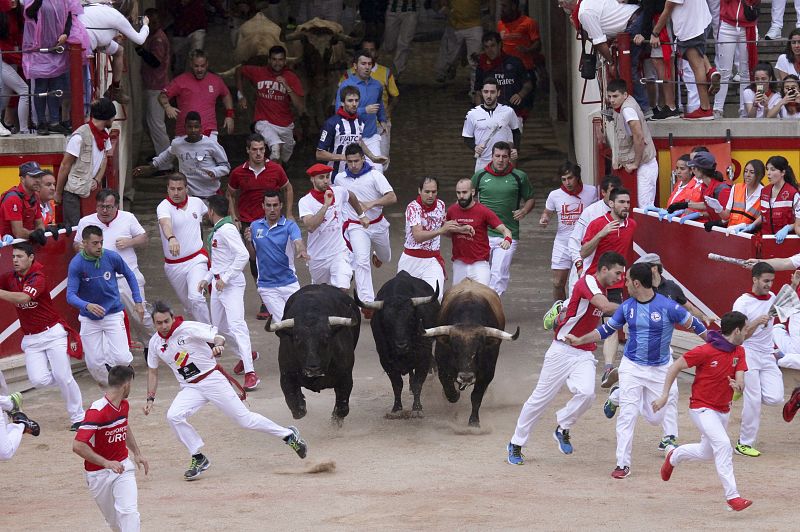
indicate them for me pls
(39, 313)
(105, 429)
(711, 388)
(581, 317)
(273, 103)
(199, 95)
(25, 209)
(620, 241)
(251, 188)
(471, 249)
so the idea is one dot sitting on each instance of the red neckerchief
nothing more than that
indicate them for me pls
(491, 64)
(180, 205)
(494, 172)
(100, 136)
(320, 196)
(761, 298)
(577, 191)
(115, 216)
(426, 208)
(573, 17)
(341, 112)
(175, 325)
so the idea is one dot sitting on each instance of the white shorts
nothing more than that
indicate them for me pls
(280, 139)
(275, 298)
(335, 271)
(560, 259)
(479, 272)
(428, 269)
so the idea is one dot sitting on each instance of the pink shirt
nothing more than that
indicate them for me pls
(199, 95)
(155, 79)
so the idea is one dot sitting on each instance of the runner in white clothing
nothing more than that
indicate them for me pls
(489, 123)
(184, 346)
(11, 433)
(322, 213)
(373, 192)
(186, 260)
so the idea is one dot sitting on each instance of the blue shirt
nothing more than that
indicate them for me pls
(87, 283)
(371, 92)
(270, 243)
(337, 133)
(650, 327)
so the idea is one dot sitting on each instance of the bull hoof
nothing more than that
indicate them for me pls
(474, 422)
(337, 421)
(397, 407)
(398, 414)
(453, 396)
(299, 414)
(417, 414)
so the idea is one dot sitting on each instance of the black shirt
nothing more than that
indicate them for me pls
(671, 290)
(510, 74)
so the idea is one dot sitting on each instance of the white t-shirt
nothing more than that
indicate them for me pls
(368, 187)
(761, 341)
(604, 18)
(108, 17)
(195, 159)
(589, 214)
(326, 240)
(629, 114)
(480, 122)
(749, 96)
(786, 116)
(124, 225)
(568, 208)
(74, 149)
(749, 200)
(185, 226)
(784, 65)
(186, 351)
(430, 221)
(690, 18)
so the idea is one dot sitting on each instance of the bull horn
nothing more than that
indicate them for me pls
(491, 332)
(421, 300)
(338, 320)
(442, 330)
(283, 324)
(374, 305)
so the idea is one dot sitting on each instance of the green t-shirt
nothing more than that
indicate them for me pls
(502, 195)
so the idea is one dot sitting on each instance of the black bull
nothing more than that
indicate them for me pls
(468, 341)
(318, 337)
(404, 307)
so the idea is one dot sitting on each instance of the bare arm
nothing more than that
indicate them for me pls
(18, 230)
(233, 200)
(17, 298)
(420, 235)
(602, 303)
(67, 161)
(326, 156)
(672, 373)
(289, 192)
(84, 451)
(387, 199)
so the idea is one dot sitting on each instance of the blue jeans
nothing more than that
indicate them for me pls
(51, 103)
(639, 90)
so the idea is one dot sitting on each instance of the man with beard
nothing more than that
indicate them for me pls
(515, 82)
(489, 123)
(471, 240)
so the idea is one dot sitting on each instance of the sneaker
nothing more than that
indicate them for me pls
(714, 78)
(31, 427)
(238, 369)
(16, 402)
(738, 504)
(699, 114)
(609, 408)
(4, 132)
(746, 450)
(197, 466)
(562, 437)
(667, 442)
(736, 396)
(609, 378)
(667, 467)
(658, 113)
(297, 443)
(42, 130)
(251, 381)
(75, 426)
(773, 34)
(58, 129)
(263, 313)
(717, 114)
(551, 316)
(515, 456)
(671, 114)
(376, 261)
(792, 405)
(620, 472)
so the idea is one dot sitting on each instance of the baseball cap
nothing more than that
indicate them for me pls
(319, 169)
(32, 169)
(703, 160)
(649, 258)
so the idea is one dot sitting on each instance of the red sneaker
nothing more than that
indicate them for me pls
(621, 472)
(699, 114)
(738, 504)
(792, 405)
(263, 313)
(714, 78)
(251, 381)
(666, 469)
(238, 369)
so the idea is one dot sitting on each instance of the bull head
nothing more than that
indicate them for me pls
(333, 321)
(415, 301)
(491, 332)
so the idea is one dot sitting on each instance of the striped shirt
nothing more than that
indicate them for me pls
(402, 6)
(580, 316)
(337, 133)
(105, 430)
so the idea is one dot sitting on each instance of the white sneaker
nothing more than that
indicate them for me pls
(773, 34)
(4, 132)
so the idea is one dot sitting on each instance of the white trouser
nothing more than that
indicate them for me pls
(144, 328)
(214, 389)
(732, 46)
(227, 315)
(105, 341)
(500, 260)
(184, 278)
(10, 433)
(692, 96)
(714, 445)
(362, 240)
(116, 496)
(48, 364)
(275, 298)
(669, 425)
(713, 8)
(788, 345)
(386, 141)
(763, 384)
(450, 47)
(427, 269)
(183, 46)
(398, 36)
(646, 183)
(480, 272)
(335, 271)
(280, 140)
(3, 384)
(154, 119)
(563, 364)
(778, 9)
(639, 386)
(374, 143)
(11, 82)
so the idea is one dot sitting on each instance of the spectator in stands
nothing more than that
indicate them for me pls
(789, 105)
(762, 95)
(780, 200)
(46, 194)
(11, 23)
(20, 213)
(686, 189)
(634, 150)
(735, 41)
(401, 23)
(156, 56)
(743, 211)
(662, 58)
(704, 166)
(514, 79)
(521, 38)
(789, 62)
(189, 26)
(463, 28)
(776, 24)
(373, 16)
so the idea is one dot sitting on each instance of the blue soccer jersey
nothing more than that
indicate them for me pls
(339, 132)
(274, 247)
(650, 326)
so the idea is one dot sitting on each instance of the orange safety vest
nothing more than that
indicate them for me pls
(740, 213)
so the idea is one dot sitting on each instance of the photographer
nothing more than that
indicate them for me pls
(789, 106)
(761, 96)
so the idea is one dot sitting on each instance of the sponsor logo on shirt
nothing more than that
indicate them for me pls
(211, 88)
(655, 316)
(714, 363)
(571, 213)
